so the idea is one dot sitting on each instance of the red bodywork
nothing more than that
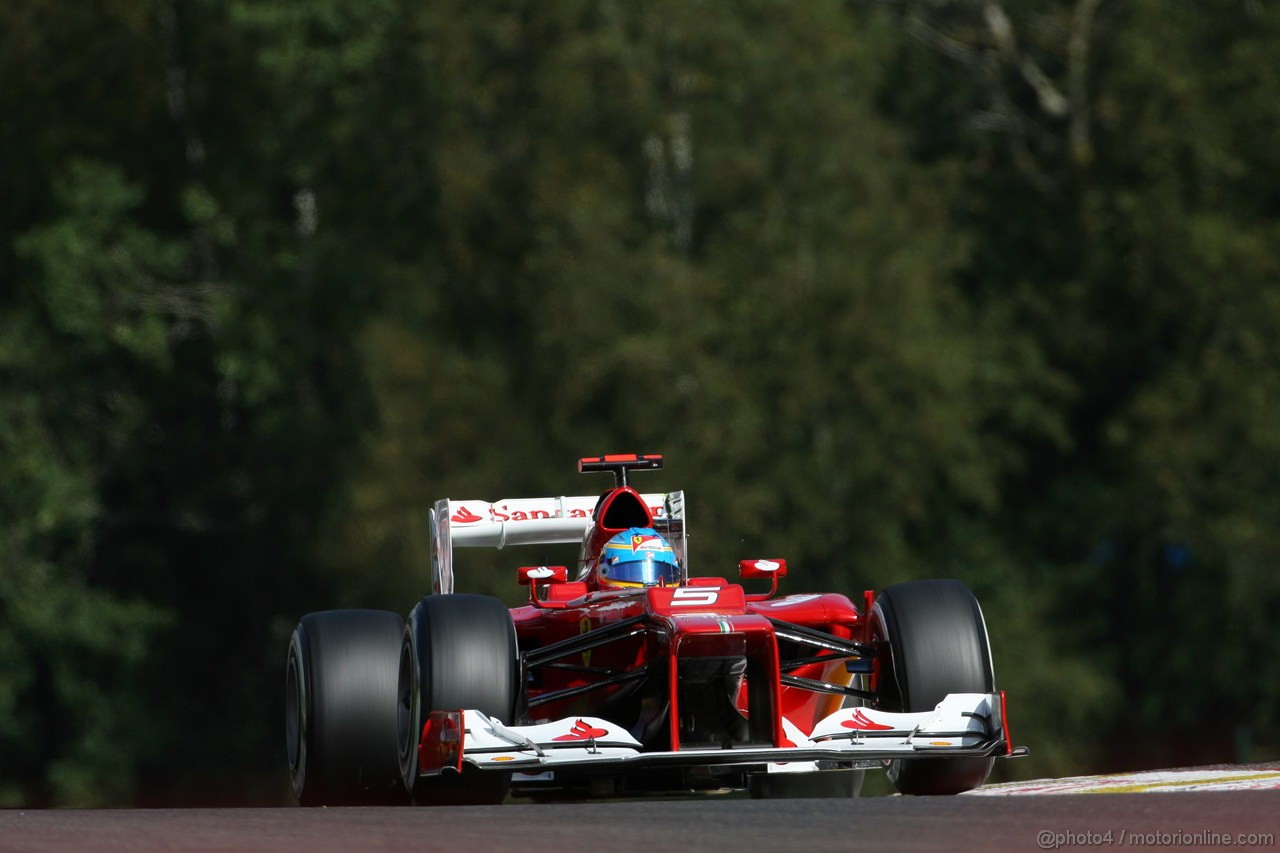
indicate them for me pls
(709, 618)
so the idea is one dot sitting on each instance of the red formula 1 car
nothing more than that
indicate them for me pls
(633, 677)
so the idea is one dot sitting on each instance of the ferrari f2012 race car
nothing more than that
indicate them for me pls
(634, 677)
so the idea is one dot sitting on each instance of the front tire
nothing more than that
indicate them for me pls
(937, 644)
(340, 708)
(458, 652)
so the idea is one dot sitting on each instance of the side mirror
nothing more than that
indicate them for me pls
(748, 569)
(529, 575)
(771, 569)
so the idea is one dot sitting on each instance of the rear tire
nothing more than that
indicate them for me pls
(937, 645)
(458, 652)
(340, 708)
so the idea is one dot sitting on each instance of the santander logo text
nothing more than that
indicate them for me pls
(500, 512)
(523, 510)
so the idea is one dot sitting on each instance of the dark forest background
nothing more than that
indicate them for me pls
(901, 288)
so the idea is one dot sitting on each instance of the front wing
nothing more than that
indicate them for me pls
(962, 725)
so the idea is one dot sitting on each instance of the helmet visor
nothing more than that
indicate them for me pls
(646, 569)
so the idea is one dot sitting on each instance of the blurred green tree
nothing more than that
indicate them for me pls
(1119, 218)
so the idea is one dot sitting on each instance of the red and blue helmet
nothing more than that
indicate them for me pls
(638, 557)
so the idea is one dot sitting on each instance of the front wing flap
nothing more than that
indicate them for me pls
(963, 724)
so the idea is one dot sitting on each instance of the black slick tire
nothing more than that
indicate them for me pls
(459, 652)
(937, 644)
(340, 708)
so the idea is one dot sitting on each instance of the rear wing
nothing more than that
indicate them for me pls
(532, 521)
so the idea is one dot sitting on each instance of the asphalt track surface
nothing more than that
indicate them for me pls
(1173, 820)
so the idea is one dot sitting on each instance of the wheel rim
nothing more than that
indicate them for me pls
(886, 684)
(407, 712)
(295, 719)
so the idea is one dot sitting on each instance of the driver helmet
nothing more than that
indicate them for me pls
(638, 557)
